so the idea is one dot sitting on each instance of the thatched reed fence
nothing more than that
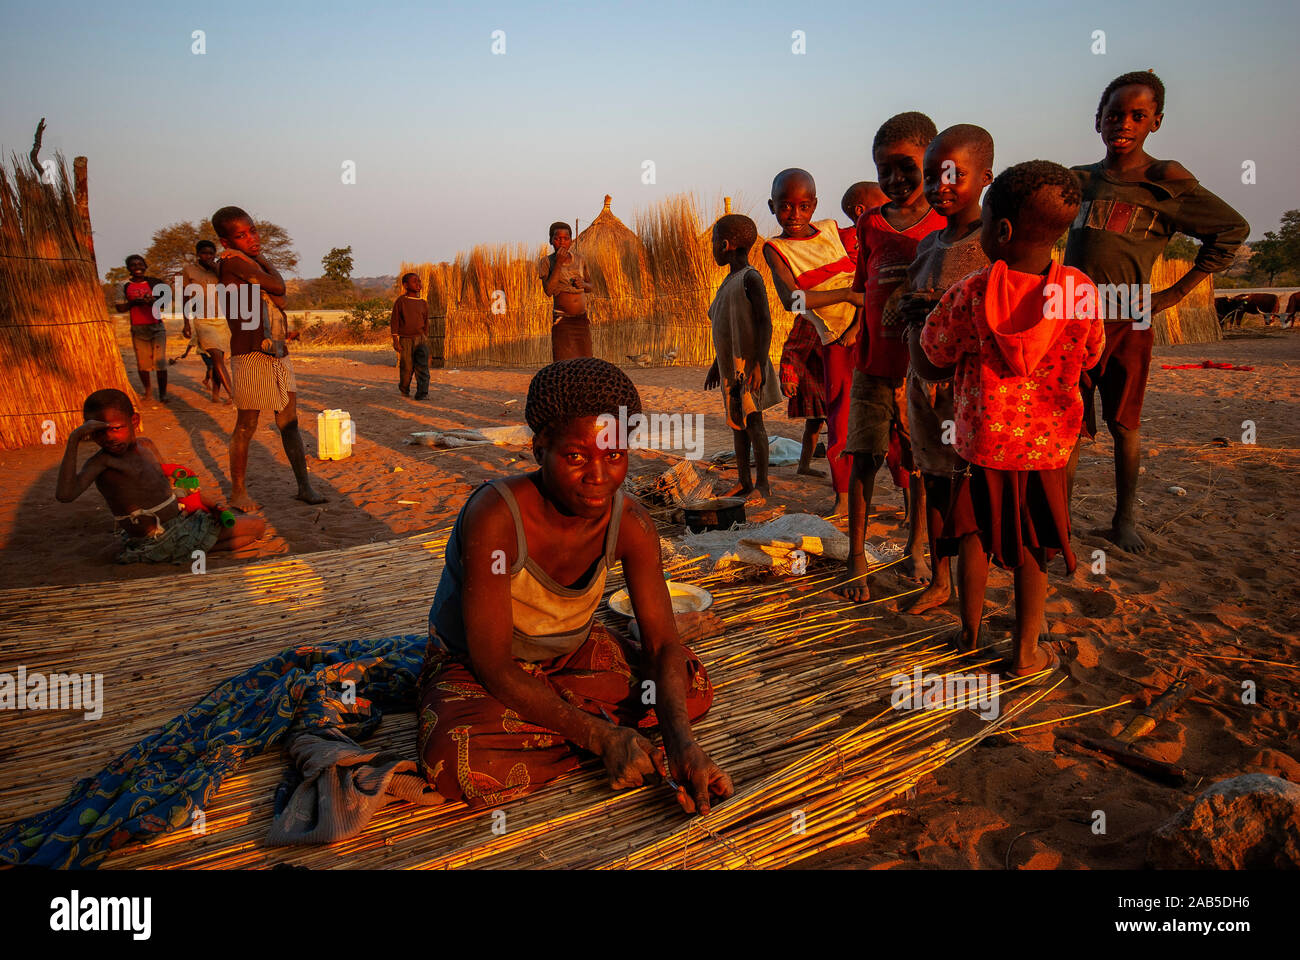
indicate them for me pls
(652, 292)
(1192, 321)
(653, 286)
(56, 338)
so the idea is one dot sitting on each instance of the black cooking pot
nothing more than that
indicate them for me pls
(717, 514)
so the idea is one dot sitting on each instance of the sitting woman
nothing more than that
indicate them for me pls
(518, 679)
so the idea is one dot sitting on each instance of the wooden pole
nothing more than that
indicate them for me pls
(81, 179)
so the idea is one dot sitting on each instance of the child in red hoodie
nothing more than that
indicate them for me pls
(1019, 332)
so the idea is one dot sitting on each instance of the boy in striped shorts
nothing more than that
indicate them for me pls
(260, 380)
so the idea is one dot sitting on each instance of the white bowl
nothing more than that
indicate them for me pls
(685, 597)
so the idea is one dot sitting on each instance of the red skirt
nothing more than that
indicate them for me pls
(1013, 511)
(570, 337)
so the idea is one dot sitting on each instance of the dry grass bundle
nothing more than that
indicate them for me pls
(1192, 321)
(652, 290)
(56, 339)
(801, 719)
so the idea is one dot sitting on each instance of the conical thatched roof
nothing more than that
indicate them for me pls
(706, 235)
(615, 255)
(607, 228)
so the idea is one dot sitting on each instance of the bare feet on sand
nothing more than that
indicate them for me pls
(1124, 534)
(308, 495)
(1044, 659)
(840, 508)
(935, 595)
(852, 585)
(913, 567)
(242, 502)
(811, 472)
(750, 494)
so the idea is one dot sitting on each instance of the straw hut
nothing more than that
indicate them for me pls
(652, 289)
(56, 339)
(608, 234)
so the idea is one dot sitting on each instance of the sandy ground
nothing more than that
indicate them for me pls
(1214, 598)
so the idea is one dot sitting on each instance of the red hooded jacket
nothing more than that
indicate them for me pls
(1020, 342)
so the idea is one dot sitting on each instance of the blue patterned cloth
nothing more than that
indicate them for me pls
(155, 787)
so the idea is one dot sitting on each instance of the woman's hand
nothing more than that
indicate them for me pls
(629, 757)
(695, 625)
(698, 777)
(711, 379)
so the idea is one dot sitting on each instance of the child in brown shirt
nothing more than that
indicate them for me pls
(409, 325)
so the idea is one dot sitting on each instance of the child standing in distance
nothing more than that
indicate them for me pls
(260, 380)
(148, 335)
(1132, 206)
(742, 337)
(958, 166)
(128, 472)
(1019, 347)
(857, 200)
(566, 280)
(409, 325)
(887, 239)
(812, 271)
(202, 308)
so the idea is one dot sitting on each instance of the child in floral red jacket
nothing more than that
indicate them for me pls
(1019, 333)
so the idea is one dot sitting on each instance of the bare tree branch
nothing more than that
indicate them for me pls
(36, 143)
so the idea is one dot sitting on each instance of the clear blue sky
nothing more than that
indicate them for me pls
(456, 146)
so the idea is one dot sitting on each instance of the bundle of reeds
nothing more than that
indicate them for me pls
(56, 338)
(1194, 320)
(801, 719)
(652, 290)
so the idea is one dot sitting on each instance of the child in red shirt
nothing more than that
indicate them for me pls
(1020, 332)
(148, 335)
(887, 239)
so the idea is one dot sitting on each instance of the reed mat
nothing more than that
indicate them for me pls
(802, 717)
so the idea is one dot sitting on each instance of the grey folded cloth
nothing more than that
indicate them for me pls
(343, 785)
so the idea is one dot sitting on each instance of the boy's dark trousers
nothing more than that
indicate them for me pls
(414, 358)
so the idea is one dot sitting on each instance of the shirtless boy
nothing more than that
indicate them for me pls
(127, 470)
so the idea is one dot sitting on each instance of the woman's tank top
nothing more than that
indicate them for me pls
(550, 620)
